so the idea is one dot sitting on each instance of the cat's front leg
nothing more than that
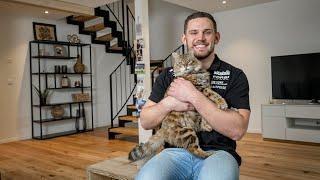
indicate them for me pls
(216, 98)
(205, 126)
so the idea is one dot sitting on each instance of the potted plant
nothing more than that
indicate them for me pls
(43, 95)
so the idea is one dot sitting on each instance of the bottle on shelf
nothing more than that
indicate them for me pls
(65, 81)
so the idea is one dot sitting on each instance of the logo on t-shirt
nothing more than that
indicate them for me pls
(220, 79)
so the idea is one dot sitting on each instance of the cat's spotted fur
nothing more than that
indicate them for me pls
(179, 128)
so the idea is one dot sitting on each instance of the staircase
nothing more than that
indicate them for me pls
(127, 124)
(113, 26)
(101, 29)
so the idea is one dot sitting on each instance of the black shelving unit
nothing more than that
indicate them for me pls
(76, 112)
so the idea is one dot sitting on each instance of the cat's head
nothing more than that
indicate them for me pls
(185, 64)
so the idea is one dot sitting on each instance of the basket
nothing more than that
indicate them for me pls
(57, 112)
(80, 97)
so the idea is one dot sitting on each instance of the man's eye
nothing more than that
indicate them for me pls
(208, 32)
(193, 32)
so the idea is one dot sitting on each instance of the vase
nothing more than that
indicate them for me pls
(78, 67)
(43, 100)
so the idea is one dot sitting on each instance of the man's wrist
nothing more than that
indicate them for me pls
(165, 105)
(194, 97)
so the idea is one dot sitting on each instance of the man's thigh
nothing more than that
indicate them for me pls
(171, 163)
(219, 166)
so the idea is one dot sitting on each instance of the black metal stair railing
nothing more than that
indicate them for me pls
(122, 86)
(122, 80)
(130, 26)
(117, 10)
(167, 62)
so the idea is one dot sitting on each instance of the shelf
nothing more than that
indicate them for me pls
(54, 57)
(45, 75)
(48, 136)
(56, 104)
(53, 119)
(70, 87)
(304, 127)
(60, 43)
(59, 73)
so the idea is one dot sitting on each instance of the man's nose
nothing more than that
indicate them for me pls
(201, 36)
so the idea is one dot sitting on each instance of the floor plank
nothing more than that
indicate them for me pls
(67, 157)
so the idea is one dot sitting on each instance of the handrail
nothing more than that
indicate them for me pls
(121, 62)
(114, 74)
(131, 13)
(112, 11)
(119, 74)
(181, 47)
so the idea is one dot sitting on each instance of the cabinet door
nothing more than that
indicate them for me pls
(274, 127)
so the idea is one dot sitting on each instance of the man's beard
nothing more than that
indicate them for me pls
(201, 56)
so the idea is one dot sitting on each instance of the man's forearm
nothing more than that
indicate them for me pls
(152, 116)
(229, 123)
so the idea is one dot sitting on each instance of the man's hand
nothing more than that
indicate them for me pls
(174, 104)
(182, 90)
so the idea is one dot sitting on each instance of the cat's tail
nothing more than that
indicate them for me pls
(137, 153)
(145, 151)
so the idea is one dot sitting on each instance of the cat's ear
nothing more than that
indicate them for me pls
(175, 55)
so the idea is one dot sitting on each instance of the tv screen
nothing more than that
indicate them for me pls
(296, 76)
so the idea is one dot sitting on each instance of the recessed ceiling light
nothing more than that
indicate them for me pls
(46, 12)
(224, 2)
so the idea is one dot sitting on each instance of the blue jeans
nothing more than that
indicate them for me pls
(180, 164)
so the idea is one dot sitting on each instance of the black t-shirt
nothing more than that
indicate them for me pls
(231, 83)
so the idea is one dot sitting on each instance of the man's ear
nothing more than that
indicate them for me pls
(216, 38)
(183, 39)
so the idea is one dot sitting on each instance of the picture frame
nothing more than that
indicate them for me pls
(59, 50)
(44, 32)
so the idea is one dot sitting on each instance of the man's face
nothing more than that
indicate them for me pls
(201, 37)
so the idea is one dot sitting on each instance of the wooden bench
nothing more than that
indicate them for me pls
(119, 168)
(1, 175)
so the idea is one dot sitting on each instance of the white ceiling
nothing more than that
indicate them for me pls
(18, 9)
(90, 3)
(212, 6)
(28, 9)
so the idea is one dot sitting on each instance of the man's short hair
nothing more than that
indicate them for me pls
(200, 15)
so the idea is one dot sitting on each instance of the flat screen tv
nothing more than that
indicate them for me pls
(296, 76)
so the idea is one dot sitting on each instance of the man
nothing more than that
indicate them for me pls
(200, 36)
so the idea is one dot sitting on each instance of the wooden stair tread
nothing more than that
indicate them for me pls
(129, 118)
(116, 47)
(83, 18)
(125, 130)
(152, 68)
(107, 37)
(132, 106)
(156, 61)
(95, 28)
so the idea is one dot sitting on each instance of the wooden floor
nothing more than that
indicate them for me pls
(67, 157)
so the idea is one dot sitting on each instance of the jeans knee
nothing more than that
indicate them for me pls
(220, 165)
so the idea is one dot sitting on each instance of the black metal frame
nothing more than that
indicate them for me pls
(39, 75)
(166, 61)
(116, 76)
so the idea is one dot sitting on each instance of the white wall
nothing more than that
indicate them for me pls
(16, 32)
(250, 36)
(166, 22)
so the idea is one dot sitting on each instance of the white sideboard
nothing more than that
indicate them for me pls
(291, 122)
